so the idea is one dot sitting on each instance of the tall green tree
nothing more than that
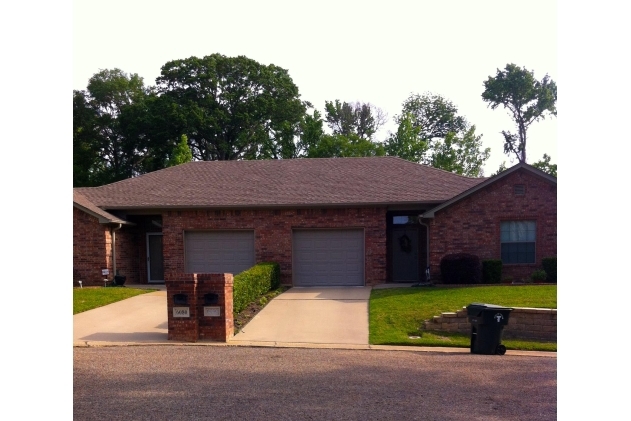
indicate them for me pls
(181, 153)
(433, 115)
(344, 146)
(315, 143)
(500, 169)
(86, 142)
(407, 142)
(545, 165)
(431, 132)
(526, 99)
(361, 119)
(311, 132)
(103, 149)
(460, 153)
(233, 107)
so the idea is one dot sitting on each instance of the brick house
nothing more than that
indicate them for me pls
(339, 221)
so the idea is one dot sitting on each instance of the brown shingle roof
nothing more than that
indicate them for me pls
(292, 182)
(86, 205)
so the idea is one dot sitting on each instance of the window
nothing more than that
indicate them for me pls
(518, 241)
(405, 220)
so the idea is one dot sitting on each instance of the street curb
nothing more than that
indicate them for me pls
(355, 347)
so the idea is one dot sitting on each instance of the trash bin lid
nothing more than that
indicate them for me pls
(475, 309)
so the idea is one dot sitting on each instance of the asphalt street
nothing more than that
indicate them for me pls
(249, 383)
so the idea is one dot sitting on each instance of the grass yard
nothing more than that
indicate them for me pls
(87, 298)
(398, 313)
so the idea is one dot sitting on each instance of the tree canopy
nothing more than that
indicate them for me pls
(233, 107)
(433, 115)
(526, 99)
(104, 146)
(545, 165)
(352, 126)
(217, 107)
(230, 108)
(361, 119)
(431, 132)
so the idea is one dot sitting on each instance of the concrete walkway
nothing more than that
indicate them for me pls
(312, 316)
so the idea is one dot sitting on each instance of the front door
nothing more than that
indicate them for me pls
(155, 262)
(405, 251)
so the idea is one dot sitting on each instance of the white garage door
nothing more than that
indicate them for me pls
(328, 258)
(219, 251)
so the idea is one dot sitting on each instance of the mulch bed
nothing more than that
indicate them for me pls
(247, 314)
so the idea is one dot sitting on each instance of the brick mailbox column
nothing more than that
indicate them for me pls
(183, 318)
(214, 294)
(200, 307)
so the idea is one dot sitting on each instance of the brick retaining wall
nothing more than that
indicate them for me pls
(523, 323)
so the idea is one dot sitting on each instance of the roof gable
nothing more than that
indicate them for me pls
(283, 183)
(81, 202)
(521, 166)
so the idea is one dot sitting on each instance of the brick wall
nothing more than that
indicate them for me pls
(197, 325)
(129, 256)
(523, 323)
(91, 248)
(473, 224)
(273, 234)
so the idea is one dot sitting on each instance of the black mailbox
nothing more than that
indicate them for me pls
(211, 299)
(180, 299)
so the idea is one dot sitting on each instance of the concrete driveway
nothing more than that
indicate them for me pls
(311, 315)
(140, 319)
(299, 315)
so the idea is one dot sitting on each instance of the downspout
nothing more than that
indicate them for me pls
(114, 248)
(427, 278)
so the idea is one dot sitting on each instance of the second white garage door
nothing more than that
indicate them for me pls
(219, 251)
(328, 257)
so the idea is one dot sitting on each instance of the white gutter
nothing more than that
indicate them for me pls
(114, 248)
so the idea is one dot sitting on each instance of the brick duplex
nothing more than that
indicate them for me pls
(274, 198)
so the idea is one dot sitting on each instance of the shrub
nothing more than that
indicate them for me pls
(538, 275)
(461, 268)
(492, 271)
(254, 282)
(550, 266)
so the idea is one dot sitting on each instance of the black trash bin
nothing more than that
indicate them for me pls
(119, 280)
(487, 324)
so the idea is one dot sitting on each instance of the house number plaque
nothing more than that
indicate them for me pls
(181, 312)
(212, 311)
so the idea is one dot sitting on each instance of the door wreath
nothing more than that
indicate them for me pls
(405, 243)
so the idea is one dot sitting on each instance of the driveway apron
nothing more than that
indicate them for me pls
(327, 315)
(139, 319)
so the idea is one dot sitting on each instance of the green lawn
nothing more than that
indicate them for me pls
(85, 299)
(398, 313)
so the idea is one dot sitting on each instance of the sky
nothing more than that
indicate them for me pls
(347, 50)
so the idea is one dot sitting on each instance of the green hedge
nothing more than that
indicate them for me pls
(254, 282)
(460, 268)
(492, 271)
(550, 266)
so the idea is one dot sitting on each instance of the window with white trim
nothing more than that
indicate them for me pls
(518, 241)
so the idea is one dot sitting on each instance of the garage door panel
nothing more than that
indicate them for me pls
(219, 251)
(328, 257)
